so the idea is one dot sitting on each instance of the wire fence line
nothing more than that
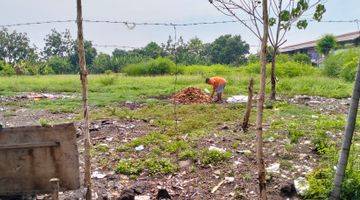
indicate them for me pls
(133, 24)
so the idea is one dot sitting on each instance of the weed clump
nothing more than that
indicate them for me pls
(162, 166)
(129, 167)
(214, 156)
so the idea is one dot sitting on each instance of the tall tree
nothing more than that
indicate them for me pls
(58, 44)
(152, 50)
(90, 54)
(228, 49)
(326, 44)
(15, 47)
(84, 83)
(253, 8)
(286, 13)
(283, 14)
(346, 145)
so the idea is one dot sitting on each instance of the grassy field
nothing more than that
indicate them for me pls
(168, 143)
(108, 89)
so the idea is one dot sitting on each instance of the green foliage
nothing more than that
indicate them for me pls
(160, 166)
(342, 64)
(176, 146)
(129, 167)
(214, 156)
(207, 70)
(159, 66)
(284, 69)
(15, 47)
(6, 69)
(229, 49)
(59, 65)
(320, 182)
(188, 154)
(152, 50)
(58, 44)
(326, 44)
(108, 79)
(301, 58)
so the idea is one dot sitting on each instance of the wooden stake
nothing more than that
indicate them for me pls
(84, 83)
(55, 186)
(260, 104)
(245, 124)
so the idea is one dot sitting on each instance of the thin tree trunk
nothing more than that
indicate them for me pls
(260, 104)
(245, 124)
(84, 83)
(349, 131)
(273, 76)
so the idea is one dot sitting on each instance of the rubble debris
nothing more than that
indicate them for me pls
(213, 148)
(191, 95)
(140, 148)
(273, 169)
(301, 185)
(142, 197)
(98, 175)
(237, 99)
(217, 187)
(229, 179)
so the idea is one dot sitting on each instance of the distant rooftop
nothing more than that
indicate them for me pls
(340, 38)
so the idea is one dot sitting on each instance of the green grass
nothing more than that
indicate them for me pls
(109, 89)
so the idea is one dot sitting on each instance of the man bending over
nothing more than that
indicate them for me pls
(218, 84)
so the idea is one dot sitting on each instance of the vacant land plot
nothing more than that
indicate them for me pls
(138, 144)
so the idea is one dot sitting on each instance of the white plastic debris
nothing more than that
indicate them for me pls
(140, 148)
(142, 197)
(206, 91)
(237, 99)
(98, 175)
(229, 179)
(301, 186)
(274, 168)
(212, 148)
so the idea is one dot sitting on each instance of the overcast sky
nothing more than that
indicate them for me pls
(176, 11)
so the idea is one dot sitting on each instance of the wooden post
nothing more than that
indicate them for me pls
(84, 83)
(55, 186)
(260, 104)
(245, 124)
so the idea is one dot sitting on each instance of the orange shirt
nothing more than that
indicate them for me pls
(216, 81)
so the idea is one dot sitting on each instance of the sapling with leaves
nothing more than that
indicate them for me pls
(283, 15)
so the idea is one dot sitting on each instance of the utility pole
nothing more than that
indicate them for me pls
(84, 83)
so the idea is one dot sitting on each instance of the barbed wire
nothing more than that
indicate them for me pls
(132, 24)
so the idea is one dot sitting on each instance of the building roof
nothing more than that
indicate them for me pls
(340, 38)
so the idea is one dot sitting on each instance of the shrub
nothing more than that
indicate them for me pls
(6, 69)
(214, 156)
(129, 167)
(301, 58)
(207, 70)
(160, 166)
(284, 69)
(108, 79)
(187, 154)
(342, 64)
(159, 66)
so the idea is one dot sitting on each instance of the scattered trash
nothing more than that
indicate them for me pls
(229, 179)
(237, 99)
(274, 168)
(191, 95)
(98, 175)
(140, 148)
(301, 186)
(217, 187)
(245, 152)
(212, 148)
(142, 197)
